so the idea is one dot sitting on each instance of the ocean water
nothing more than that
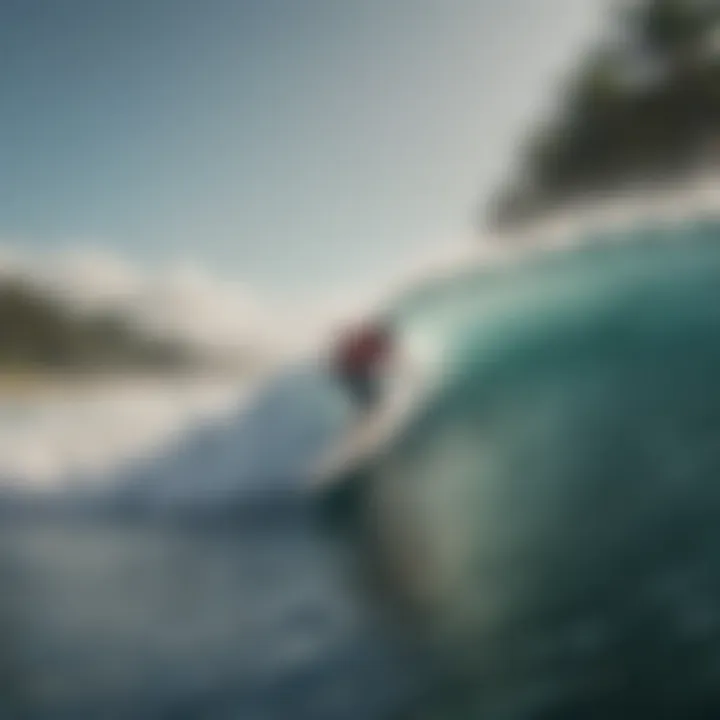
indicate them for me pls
(194, 583)
(565, 477)
(247, 618)
(561, 487)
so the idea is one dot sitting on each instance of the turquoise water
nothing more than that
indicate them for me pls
(551, 521)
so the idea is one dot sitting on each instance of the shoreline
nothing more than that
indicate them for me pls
(30, 383)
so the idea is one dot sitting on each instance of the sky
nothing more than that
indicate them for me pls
(296, 146)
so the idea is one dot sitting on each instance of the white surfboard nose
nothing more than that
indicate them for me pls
(403, 389)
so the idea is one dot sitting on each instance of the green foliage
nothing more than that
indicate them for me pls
(39, 333)
(645, 106)
(674, 29)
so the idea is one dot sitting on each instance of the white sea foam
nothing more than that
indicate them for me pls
(76, 434)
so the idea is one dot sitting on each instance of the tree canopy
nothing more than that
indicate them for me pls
(643, 105)
(36, 332)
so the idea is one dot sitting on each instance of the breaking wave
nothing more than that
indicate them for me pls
(166, 442)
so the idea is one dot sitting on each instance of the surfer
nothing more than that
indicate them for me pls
(358, 357)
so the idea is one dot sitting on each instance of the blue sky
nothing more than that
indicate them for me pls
(291, 143)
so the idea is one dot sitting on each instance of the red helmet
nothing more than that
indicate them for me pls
(361, 349)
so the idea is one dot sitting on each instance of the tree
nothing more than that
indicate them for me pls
(37, 332)
(675, 30)
(643, 105)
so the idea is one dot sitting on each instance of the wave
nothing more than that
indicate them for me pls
(264, 449)
(263, 440)
(258, 446)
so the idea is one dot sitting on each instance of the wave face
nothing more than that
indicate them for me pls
(552, 518)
